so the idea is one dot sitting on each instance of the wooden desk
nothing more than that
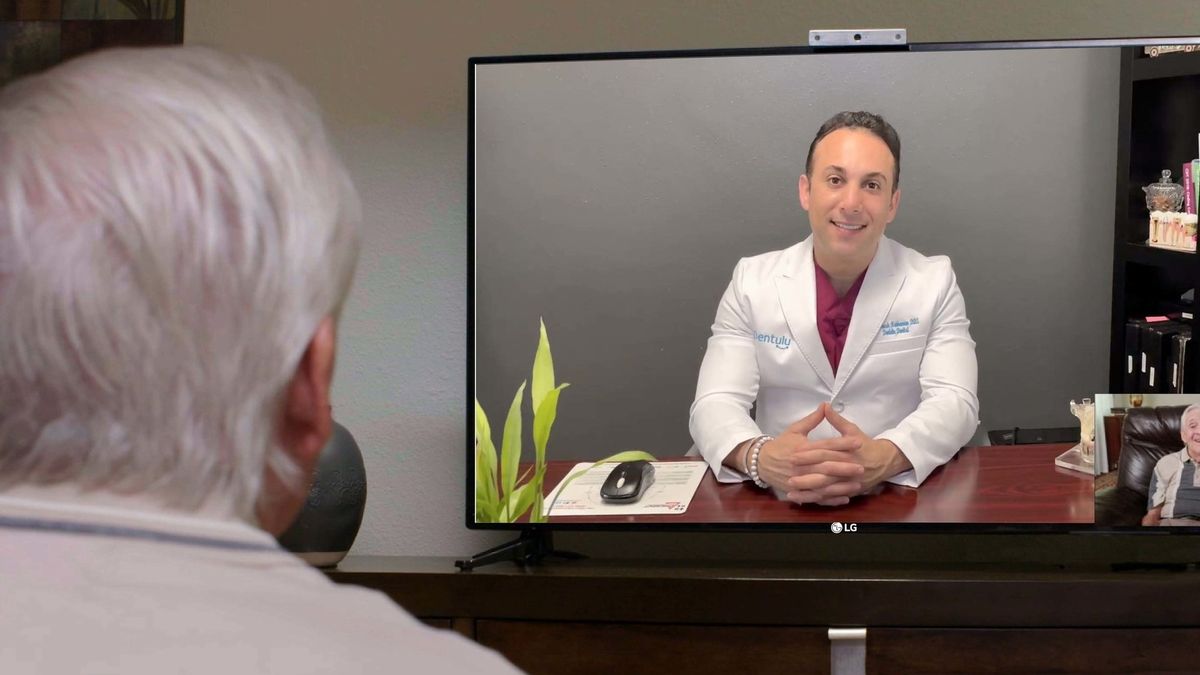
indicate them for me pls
(700, 618)
(988, 484)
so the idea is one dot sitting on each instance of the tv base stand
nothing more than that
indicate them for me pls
(529, 548)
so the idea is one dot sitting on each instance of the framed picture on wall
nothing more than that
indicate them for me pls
(36, 34)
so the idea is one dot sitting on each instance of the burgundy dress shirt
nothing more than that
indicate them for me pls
(833, 314)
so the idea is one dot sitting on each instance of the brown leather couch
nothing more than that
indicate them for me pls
(1147, 435)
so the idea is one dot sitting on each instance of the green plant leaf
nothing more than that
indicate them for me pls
(484, 501)
(625, 456)
(486, 498)
(539, 480)
(509, 516)
(543, 421)
(524, 475)
(519, 502)
(543, 369)
(510, 448)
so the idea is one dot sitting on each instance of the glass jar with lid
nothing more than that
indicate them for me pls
(1165, 195)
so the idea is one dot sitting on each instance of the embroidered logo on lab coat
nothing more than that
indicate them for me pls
(780, 341)
(899, 327)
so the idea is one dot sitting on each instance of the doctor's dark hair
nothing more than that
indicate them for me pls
(859, 120)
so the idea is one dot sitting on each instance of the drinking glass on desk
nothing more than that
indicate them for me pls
(1085, 410)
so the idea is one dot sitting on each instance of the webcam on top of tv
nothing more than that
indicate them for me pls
(868, 37)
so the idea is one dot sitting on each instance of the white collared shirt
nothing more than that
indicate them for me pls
(1175, 485)
(107, 584)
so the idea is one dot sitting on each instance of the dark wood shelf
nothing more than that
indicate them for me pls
(1168, 65)
(775, 593)
(1144, 254)
(564, 617)
(1156, 129)
(1171, 307)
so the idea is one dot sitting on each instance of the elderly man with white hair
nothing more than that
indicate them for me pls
(177, 238)
(1175, 484)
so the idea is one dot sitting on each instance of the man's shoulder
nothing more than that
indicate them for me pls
(1171, 462)
(205, 600)
(913, 261)
(396, 633)
(772, 262)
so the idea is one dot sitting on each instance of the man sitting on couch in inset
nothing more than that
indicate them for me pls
(1175, 485)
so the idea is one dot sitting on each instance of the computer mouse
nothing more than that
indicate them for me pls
(627, 482)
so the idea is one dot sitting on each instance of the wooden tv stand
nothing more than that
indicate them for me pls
(719, 617)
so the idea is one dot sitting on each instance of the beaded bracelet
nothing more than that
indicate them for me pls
(752, 454)
(746, 455)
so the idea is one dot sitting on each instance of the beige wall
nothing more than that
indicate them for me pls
(392, 77)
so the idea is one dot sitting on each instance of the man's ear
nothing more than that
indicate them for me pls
(803, 188)
(307, 418)
(304, 429)
(895, 205)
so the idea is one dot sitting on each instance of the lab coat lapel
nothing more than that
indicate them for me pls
(798, 297)
(875, 298)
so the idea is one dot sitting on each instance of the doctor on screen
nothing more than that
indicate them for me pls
(855, 349)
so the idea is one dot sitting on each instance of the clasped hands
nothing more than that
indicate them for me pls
(828, 471)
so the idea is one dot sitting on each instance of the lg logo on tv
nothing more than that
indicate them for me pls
(838, 528)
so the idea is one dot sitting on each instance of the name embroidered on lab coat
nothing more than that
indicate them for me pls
(899, 327)
(780, 341)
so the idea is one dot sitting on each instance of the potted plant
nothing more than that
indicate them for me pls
(501, 496)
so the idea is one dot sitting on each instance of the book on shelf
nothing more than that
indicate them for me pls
(1156, 344)
(1177, 363)
(1194, 185)
(1189, 190)
(1134, 363)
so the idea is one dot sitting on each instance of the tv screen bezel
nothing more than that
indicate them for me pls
(796, 527)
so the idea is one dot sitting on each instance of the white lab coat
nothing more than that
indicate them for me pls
(908, 371)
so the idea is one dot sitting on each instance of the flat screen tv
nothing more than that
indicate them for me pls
(647, 250)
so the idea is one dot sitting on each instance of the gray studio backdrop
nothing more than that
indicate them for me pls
(613, 199)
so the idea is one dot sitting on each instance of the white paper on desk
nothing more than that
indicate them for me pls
(674, 486)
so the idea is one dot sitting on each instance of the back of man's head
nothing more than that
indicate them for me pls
(174, 225)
